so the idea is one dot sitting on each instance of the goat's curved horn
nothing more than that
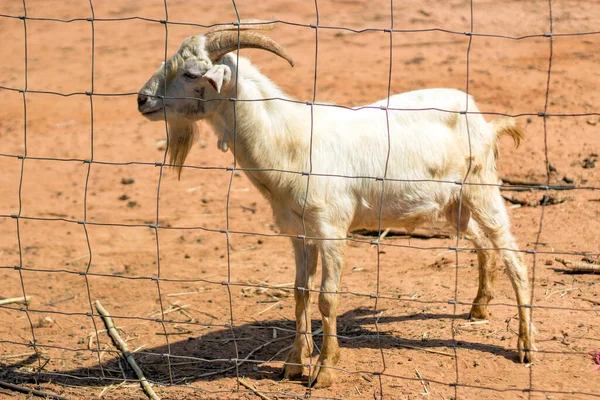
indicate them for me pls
(220, 43)
(244, 25)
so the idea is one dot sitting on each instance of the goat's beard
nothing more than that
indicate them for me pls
(182, 135)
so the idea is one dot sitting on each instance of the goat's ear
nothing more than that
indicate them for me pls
(218, 77)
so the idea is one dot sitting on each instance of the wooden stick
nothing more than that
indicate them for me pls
(408, 346)
(268, 308)
(23, 389)
(531, 185)
(579, 266)
(253, 389)
(426, 393)
(594, 302)
(125, 349)
(478, 322)
(24, 300)
(18, 355)
(384, 233)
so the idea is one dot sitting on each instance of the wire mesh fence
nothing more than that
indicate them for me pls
(86, 218)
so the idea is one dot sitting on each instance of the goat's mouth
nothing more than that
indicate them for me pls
(153, 113)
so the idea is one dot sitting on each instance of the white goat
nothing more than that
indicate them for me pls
(425, 147)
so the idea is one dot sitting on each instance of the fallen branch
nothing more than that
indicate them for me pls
(594, 302)
(24, 300)
(546, 200)
(253, 388)
(524, 186)
(26, 390)
(408, 346)
(426, 393)
(384, 233)
(125, 349)
(268, 308)
(579, 266)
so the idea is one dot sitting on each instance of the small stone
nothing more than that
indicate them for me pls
(568, 179)
(123, 197)
(127, 181)
(132, 203)
(161, 144)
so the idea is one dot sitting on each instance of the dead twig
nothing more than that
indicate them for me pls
(125, 349)
(546, 200)
(24, 300)
(408, 346)
(384, 234)
(594, 302)
(252, 210)
(268, 308)
(524, 186)
(478, 322)
(180, 294)
(579, 266)
(426, 393)
(253, 388)
(26, 390)
(18, 355)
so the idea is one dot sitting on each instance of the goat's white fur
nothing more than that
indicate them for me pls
(424, 154)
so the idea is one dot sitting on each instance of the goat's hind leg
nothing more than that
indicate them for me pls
(485, 257)
(305, 272)
(489, 211)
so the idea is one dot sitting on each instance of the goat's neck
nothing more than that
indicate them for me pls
(269, 134)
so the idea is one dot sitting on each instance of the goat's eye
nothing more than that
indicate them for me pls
(190, 75)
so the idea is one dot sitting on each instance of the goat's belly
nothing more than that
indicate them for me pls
(404, 205)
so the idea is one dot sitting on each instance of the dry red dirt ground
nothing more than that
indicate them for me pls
(420, 332)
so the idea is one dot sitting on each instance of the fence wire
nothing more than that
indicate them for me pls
(378, 245)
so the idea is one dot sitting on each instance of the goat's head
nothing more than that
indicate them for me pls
(186, 88)
(196, 73)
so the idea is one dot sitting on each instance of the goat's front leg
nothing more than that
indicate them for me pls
(333, 254)
(487, 264)
(306, 266)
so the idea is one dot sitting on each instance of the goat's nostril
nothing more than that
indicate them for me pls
(142, 99)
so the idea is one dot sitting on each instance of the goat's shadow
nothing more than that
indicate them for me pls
(210, 355)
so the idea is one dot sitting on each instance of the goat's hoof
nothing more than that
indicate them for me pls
(291, 371)
(322, 377)
(479, 312)
(526, 350)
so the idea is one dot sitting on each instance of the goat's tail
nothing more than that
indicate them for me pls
(507, 126)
